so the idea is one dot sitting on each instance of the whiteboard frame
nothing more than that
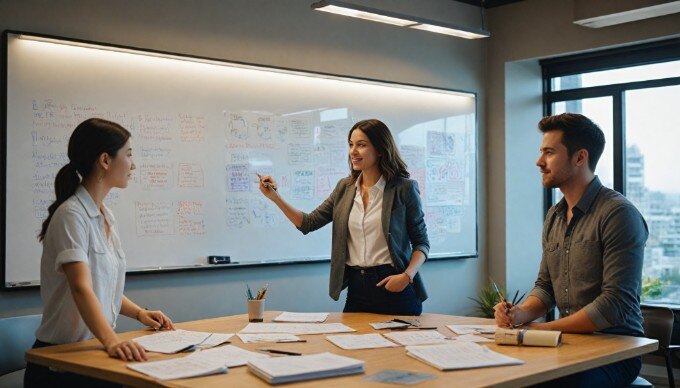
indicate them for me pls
(6, 285)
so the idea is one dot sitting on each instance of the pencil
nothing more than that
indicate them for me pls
(498, 292)
(520, 298)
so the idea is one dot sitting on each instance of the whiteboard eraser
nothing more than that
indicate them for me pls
(219, 260)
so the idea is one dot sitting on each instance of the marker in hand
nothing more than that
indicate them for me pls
(266, 183)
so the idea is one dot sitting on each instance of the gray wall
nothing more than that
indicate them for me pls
(282, 33)
(522, 33)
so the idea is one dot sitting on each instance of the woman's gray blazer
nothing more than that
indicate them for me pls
(403, 224)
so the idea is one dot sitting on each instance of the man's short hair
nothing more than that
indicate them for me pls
(578, 132)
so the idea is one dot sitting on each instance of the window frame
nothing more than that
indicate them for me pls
(642, 54)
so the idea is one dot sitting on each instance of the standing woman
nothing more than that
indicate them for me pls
(379, 234)
(82, 269)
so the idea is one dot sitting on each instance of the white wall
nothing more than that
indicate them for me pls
(283, 33)
(522, 33)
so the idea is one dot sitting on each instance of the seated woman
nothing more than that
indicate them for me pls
(82, 269)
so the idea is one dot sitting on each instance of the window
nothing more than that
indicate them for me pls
(633, 94)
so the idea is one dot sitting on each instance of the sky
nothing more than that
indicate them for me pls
(652, 122)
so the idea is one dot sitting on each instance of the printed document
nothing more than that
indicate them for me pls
(387, 325)
(471, 338)
(174, 341)
(459, 355)
(269, 337)
(179, 368)
(301, 317)
(417, 337)
(472, 329)
(360, 341)
(201, 363)
(296, 328)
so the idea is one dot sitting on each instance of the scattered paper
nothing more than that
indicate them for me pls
(360, 341)
(231, 356)
(472, 329)
(417, 337)
(268, 337)
(201, 363)
(301, 317)
(459, 355)
(174, 341)
(391, 376)
(297, 328)
(179, 368)
(215, 339)
(387, 325)
(471, 338)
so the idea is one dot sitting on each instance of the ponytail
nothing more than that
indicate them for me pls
(65, 185)
(89, 140)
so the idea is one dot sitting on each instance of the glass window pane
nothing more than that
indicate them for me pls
(652, 184)
(600, 111)
(616, 76)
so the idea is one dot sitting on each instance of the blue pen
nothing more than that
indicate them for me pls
(250, 294)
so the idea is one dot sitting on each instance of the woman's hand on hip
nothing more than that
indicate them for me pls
(395, 283)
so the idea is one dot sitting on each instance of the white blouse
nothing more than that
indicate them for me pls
(366, 244)
(76, 233)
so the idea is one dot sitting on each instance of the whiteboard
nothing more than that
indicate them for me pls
(201, 130)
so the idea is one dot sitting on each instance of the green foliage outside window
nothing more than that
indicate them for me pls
(652, 288)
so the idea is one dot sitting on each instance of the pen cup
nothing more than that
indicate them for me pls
(256, 310)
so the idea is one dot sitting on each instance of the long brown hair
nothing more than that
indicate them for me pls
(390, 163)
(89, 140)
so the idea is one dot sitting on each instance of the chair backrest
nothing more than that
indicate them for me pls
(658, 324)
(17, 335)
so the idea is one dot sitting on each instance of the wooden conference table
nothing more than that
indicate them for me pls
(577, 353)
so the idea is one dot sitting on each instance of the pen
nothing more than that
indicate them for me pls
(410, 323)
(276, 351)
(415, 328)
(266, 184)
(250, 293)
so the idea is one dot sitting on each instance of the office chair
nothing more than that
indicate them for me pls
(658, 325)
(17, 335)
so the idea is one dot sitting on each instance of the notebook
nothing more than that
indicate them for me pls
(459, 355)
(281, 370)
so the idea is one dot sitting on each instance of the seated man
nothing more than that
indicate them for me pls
(593, 245)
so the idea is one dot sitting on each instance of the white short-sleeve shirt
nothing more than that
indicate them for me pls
(367, 246)
(76, 233)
